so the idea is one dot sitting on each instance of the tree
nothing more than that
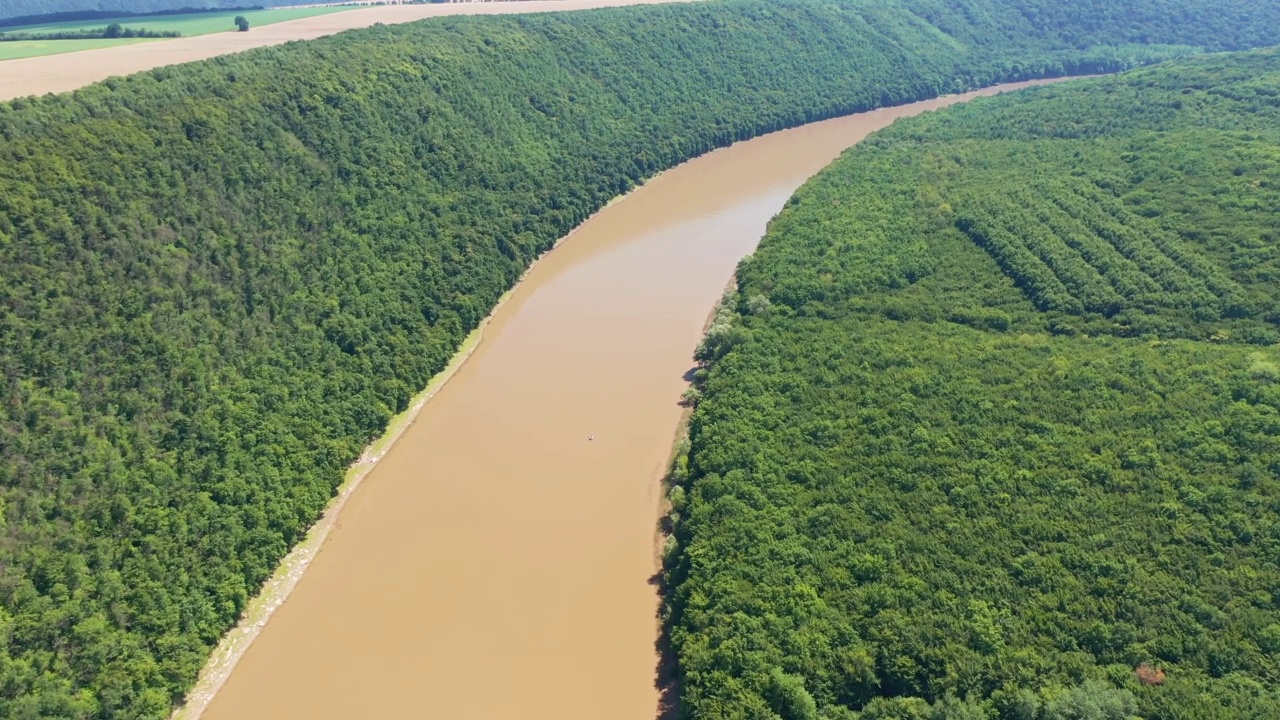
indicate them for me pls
(113, 31)
(789, 698)
(1093, 700)
(242, 23)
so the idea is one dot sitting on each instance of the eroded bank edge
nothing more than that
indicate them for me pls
(669, 476)
(276, 590)
(258, 611)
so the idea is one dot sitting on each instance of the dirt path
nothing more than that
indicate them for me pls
(61, 73)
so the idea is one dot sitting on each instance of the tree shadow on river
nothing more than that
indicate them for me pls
(667, 679)
(668, 575)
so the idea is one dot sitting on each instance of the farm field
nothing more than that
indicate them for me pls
(190, 25)
(19, 49)
(47, 72)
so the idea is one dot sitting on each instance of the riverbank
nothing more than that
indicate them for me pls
(258, 611)
(668, 672)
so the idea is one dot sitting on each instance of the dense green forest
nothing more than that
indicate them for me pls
(990, 427)
(219, 280)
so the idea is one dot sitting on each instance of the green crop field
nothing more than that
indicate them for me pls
(189, 25)
(35, 48)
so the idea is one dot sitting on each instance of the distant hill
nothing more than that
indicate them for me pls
(44, 10)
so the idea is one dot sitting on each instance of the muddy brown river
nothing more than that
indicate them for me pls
(496, 563)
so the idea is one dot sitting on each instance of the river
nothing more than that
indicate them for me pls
(496, 562)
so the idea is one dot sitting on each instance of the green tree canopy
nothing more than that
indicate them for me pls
(999, 435)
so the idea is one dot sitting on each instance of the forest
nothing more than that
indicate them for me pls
(219, 280)
(989, 428)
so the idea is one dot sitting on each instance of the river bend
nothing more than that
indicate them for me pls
(496, 563)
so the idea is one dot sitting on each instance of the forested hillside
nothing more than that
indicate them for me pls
(219, 280)
(992, 428)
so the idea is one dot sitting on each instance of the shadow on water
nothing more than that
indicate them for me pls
(667, 676)
(667, 680)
